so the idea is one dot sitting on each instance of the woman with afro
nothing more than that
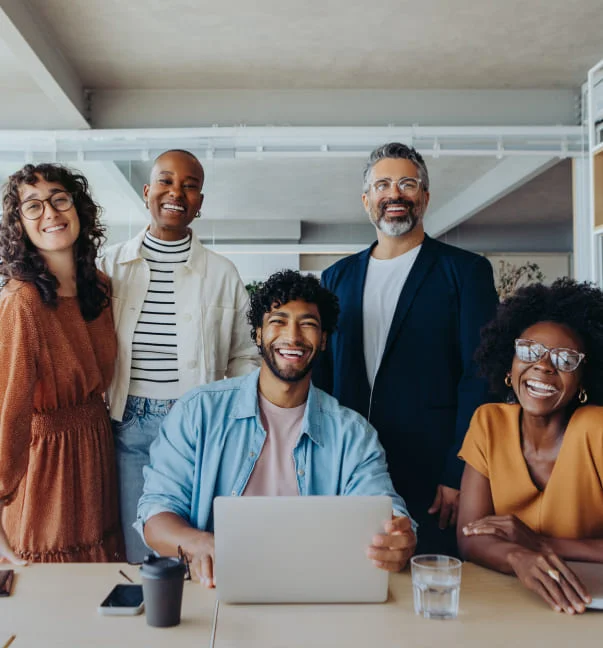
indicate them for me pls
(531, 494)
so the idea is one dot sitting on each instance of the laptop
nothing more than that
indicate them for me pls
(298, 549)
(591, 575)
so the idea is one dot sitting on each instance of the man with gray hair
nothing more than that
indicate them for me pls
(411, 313)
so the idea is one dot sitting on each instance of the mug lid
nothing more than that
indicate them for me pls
(162, 566)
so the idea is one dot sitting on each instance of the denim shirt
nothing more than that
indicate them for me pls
(211, 439)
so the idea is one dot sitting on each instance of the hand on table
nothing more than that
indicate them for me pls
(447, 503)
(548, 576)
(201, 558)
(392, 549)
(536, 565)
(6, 552)
(510, 528)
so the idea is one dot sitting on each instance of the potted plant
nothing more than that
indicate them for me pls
(510, 277)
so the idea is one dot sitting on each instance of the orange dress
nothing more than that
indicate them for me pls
(57, 465)
(571, 504)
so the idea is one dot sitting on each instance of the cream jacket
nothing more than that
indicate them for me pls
(212, 333)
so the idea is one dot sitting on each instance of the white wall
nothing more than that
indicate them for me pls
(258, 267)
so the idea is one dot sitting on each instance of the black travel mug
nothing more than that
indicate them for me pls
(162, 585)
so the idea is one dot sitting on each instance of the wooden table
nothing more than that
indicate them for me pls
(495, 610)
(56, 605)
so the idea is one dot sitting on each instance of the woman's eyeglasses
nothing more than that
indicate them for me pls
(566, 360)
(34, 208)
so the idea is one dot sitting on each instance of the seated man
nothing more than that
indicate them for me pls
(268, 433)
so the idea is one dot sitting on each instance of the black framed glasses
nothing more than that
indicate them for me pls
(33, 208)
(562, 359)
(183, 558)
(407, 186)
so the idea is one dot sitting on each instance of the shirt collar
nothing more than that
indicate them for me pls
(196, 259)
(246, 406)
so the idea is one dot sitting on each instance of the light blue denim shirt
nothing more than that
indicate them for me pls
(210, 441)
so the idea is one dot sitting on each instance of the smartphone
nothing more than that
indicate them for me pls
(6, 581)
(123, 600)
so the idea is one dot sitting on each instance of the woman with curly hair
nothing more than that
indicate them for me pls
(531, 495)
(58, 488)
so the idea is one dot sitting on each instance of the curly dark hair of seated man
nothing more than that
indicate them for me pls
(579, 306)
(20, 259)
(290, 285)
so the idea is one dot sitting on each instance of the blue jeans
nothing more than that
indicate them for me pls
(133, 437)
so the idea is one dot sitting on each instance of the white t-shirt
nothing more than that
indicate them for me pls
(385, 279)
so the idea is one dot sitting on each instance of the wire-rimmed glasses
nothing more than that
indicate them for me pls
(407, 185)
(563, 359)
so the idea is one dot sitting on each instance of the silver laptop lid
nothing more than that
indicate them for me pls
(591, 575)
(298, 549)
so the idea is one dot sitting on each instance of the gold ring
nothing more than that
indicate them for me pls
(554, 574)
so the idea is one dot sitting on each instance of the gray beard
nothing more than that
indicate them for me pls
(397, 227)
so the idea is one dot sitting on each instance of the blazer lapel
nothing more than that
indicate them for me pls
(421, 267)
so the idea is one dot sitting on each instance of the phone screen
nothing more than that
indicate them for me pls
(6, 581)
(124, 596)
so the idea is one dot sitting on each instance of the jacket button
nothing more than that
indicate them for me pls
(301, 472)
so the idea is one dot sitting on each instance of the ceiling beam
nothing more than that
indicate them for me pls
(114, 192)
(34, 47)
(506, 176)
(296, 142)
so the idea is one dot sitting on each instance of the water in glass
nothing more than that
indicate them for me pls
(436, 586)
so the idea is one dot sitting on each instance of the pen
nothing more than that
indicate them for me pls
(123, 573)
(10, 641)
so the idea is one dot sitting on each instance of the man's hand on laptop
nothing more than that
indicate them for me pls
(201, 554)
(391, 550)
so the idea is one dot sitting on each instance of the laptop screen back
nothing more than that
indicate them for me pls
(591, 575)
(298, 549)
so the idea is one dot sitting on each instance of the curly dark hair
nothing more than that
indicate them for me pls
(579, 306)
(289, 285)
(20, 259)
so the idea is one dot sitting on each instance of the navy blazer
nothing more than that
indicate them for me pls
(426, 388)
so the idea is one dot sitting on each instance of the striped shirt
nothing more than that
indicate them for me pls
(154, 347)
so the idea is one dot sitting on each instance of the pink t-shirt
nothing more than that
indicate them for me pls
(274, 471)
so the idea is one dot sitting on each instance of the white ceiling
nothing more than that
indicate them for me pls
(182, 63)
(12, 75)
(183, 44)
(546, 200)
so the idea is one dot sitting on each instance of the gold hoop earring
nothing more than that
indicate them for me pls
(508, 382)
(582, 396)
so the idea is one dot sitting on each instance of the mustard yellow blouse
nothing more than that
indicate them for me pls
(571, 504)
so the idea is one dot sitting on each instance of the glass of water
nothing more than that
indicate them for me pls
(436, 584)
